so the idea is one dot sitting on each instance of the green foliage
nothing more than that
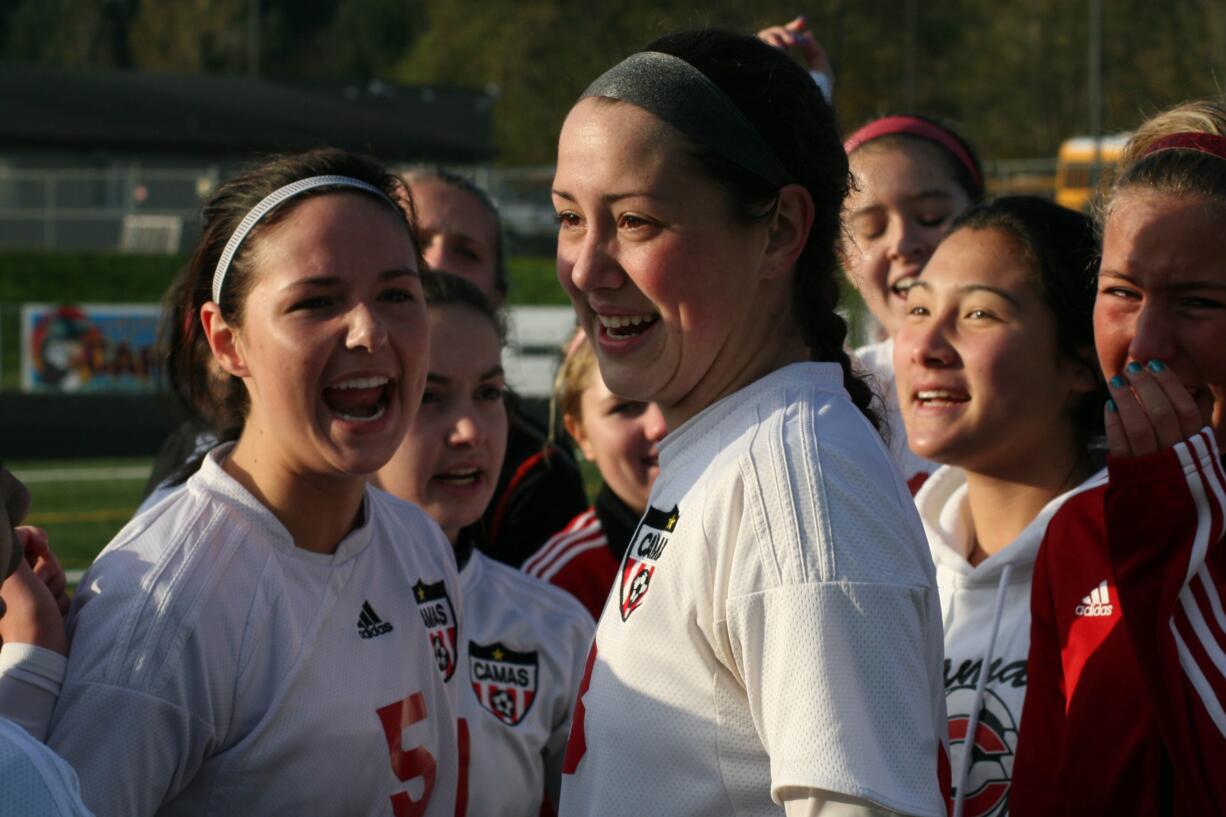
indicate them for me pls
(534, 281)
(1012, 75)
(86, 277)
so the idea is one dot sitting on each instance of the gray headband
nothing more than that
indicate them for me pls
(683, 96)
(266, 206)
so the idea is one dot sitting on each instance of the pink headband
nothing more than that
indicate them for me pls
(914, 126)
(1201, 142)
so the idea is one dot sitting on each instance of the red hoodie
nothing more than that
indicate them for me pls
(1124, 712)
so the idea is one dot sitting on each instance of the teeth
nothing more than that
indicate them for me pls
(941, 397)
(466, 476)
(353, 419)
(361, 383)
(621, 321)
(903, 284)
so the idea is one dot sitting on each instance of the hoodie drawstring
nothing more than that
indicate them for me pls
(968, 742)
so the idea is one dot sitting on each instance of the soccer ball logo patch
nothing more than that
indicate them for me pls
(646, 547)
(439, 617)
(503, 680)
(991, 748)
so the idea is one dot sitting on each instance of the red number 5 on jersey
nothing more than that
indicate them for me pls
(412, 763)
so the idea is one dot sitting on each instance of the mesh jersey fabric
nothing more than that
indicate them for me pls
(968, 601)
(33, 781)
(877, 359)
(30, 681)
(217, 669)
(775, 622)
(523, 655)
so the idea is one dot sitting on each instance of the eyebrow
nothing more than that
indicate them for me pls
(443, 380)
(922, 195)
(336, 280)
(1181, 286)
(965, 289)
(610, 198)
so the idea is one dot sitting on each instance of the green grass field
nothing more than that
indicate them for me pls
(82, 504)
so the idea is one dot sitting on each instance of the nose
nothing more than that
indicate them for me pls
(1153, 336)
(927, 344)
(589, 263)
(366, 329)
(908, 241)
(433, 251)
(654, 427)
(467, 430)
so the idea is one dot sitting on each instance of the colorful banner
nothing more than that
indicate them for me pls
(89, 348)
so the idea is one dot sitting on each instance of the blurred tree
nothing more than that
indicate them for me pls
(190, 36)
(67, 33)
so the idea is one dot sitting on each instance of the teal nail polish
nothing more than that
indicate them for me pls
(1157, 366)
(1111, 406)
(1118, 382)
(1133, 367)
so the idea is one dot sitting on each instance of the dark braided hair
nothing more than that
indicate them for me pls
(785, 106)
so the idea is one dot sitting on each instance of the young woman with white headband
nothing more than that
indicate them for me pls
(267, 639)
(772, 642)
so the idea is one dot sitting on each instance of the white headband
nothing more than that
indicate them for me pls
(266, 206)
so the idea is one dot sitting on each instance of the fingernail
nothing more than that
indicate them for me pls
(1157, 366)
(1118, 382)
(1133, 367)
(1111, 406)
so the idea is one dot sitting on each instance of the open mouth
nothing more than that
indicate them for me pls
(936, 398)
(899, 288)
(627, 326)
(459, 477)
(359, 399)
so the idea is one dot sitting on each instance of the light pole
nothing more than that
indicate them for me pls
(1095, 87)
(253, 37)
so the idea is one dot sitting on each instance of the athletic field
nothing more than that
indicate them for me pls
(81, 503)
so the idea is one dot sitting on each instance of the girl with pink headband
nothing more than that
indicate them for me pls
(913, 177)
(1125, 709)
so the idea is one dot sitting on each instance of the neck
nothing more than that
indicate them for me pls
(317, 510)
(462, 544)
(1001, 504)
(765, 339)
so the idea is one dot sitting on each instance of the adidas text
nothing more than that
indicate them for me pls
(369, 623)
(1097, 603)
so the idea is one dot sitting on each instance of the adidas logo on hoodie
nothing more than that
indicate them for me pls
(1097, 603)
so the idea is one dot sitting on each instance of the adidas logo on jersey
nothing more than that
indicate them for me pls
(369, 623)
(1097, 603)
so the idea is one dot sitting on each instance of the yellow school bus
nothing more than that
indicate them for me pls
(1074, 167)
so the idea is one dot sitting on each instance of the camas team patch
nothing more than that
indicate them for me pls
(646, 547)
(503, 680)
(439, 617)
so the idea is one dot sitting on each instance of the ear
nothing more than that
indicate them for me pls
(223, 340)
(575, 429)
(789, 230)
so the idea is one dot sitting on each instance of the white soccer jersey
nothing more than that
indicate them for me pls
(30, 681)
(969, 598)
(775, 622)
(217, 669)
(33, 781)
(524, 646)
(877, 359)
